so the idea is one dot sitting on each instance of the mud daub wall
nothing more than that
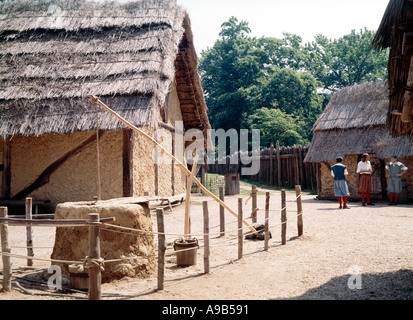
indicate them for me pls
(76, 178)
(72, 244)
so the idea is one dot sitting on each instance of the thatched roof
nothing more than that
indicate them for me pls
(55, 54)
(354, 122)
(395, 32)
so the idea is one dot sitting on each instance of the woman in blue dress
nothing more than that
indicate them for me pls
(394, 171)
(339, 172)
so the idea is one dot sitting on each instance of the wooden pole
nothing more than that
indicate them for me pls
(266, 225)
(161, 248)
(166, 152)
(278, 163)
(187, 227)
(283, 218)
(206, 236)
(271, 165)
(5, 249)
(254, 204)
(240, 242)
(95, 275)
(299, 210)
(221, 213)
(29, 232)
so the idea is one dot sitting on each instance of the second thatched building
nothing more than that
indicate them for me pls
(354, 122)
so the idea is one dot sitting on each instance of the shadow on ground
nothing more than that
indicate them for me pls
(383, 286)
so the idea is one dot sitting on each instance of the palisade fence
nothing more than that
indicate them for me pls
(279, 166)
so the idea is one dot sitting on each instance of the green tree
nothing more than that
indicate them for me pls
(274, 125)
(345, 61)
(227, 70)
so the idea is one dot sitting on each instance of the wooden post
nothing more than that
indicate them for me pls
(95, 275)
(266, 225)
(272, 164)
(5, 249)
(283, 218)
(161, 248)
(240, 243)
(254, 204)
(299, 210)
(278, 163)
(206, 236)
(187, 226)
(221, 213)
(29, 232)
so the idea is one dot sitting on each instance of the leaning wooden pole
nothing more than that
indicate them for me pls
(176, 160)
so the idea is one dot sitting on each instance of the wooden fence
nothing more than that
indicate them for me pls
(94, 262)
(279, 166)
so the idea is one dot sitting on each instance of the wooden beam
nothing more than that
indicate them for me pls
(6, 177)
(408, 97)
(167, 153)
(127, 165)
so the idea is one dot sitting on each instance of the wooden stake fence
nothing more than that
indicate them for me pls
(94, 261)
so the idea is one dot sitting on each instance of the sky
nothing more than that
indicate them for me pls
(270, 18)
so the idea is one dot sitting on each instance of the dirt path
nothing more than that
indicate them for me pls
(340, 251)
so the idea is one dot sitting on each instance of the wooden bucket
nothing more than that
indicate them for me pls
(188, 257)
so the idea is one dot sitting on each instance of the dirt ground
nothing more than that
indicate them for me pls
(361, 253)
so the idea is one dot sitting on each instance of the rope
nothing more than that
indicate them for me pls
(40, 259)
(95, 262)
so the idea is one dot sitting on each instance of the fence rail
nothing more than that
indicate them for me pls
(279, 166)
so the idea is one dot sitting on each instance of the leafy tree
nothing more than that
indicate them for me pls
(275, 84)
(228, 69)
(345, 61)
(274, 125)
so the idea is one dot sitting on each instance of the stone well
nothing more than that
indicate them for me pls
(72, 243)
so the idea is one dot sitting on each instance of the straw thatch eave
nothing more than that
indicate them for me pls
(354, 122)
(123, 53)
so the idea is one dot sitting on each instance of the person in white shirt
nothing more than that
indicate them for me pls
(364, 169)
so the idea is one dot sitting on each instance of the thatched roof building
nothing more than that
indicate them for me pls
(138, 57)
(354, 122)
(55, 54)
(396, 32)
